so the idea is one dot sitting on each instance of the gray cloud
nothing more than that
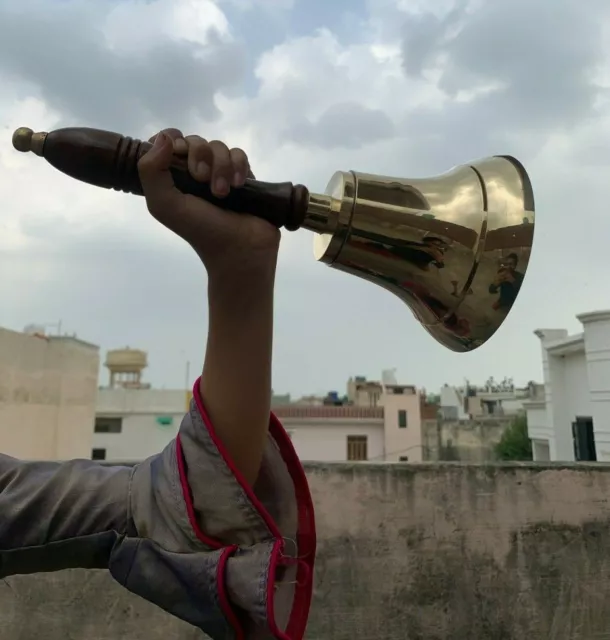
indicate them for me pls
(348, 125)
(540, 55)
(58, 50)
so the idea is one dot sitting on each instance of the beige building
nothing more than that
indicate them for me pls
(373, 421)
(48, 389)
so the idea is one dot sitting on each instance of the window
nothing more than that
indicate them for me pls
(357, 448)
(583, 436)
(403, 459)
(108, 425)
(98, 454)
(402, 419)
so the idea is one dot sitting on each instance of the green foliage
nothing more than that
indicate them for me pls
(515, 443)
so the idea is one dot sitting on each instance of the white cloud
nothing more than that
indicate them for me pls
(190, 20)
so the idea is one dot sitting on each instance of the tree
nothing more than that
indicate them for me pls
(515, 443)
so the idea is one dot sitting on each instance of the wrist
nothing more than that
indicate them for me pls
(235, 268)
(241, 282)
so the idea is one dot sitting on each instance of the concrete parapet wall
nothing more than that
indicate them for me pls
(422, 552)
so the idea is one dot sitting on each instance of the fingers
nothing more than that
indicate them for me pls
(214, 162)
(174, 134)
(155, 177)
(180, 145)
(207, 161)
(241, 167)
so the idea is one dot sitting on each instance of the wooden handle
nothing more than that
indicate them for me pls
(110, 160)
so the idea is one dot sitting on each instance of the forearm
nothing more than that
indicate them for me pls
(236, 382)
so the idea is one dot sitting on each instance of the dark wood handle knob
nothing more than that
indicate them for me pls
(110, 160)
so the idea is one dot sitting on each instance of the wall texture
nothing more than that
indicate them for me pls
(406, 552)
(471, 441)
(48, 387)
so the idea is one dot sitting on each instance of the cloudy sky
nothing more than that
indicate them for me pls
(407, 87)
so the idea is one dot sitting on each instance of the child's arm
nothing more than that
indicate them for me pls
(236, 382)
(239, 253)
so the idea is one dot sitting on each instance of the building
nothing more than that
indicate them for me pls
(48, 387)
(472, 440)
(493, 399)
(472, 419)
(571, 421)
(134, 421)
(133, 424)
(335, 433)
(373, 421)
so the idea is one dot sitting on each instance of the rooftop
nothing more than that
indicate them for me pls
(329, 411)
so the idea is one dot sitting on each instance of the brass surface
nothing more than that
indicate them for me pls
(454, 247)
(25, 140)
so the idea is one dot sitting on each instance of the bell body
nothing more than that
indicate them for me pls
(454, 247)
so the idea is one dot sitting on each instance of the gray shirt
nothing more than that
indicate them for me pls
(181, 529)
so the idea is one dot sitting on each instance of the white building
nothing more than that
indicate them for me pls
(381, 423)
(133, 424)
(48, 387)
(493, 399)
(573, 420)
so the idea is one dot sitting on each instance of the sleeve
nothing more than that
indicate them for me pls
(235, 561)
(60, 515)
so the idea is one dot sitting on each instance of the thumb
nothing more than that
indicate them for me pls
(155, 176)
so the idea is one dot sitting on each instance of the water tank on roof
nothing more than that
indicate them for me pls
(126, 360)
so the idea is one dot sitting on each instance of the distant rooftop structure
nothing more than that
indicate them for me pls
(279, 400)
(125, 367)
(39, 330)
(388, 377)
(328, 411)
(492, 399)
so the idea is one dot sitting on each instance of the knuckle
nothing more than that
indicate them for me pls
(197, 146)
(237, 152)
(239, 157)
(174, 134)
(195, 140)
(221, 156)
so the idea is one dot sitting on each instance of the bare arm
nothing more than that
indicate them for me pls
(236, 381)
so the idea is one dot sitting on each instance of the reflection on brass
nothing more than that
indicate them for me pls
(454, 247)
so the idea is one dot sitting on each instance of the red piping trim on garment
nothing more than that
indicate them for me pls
(306, 530)
(223, 596)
